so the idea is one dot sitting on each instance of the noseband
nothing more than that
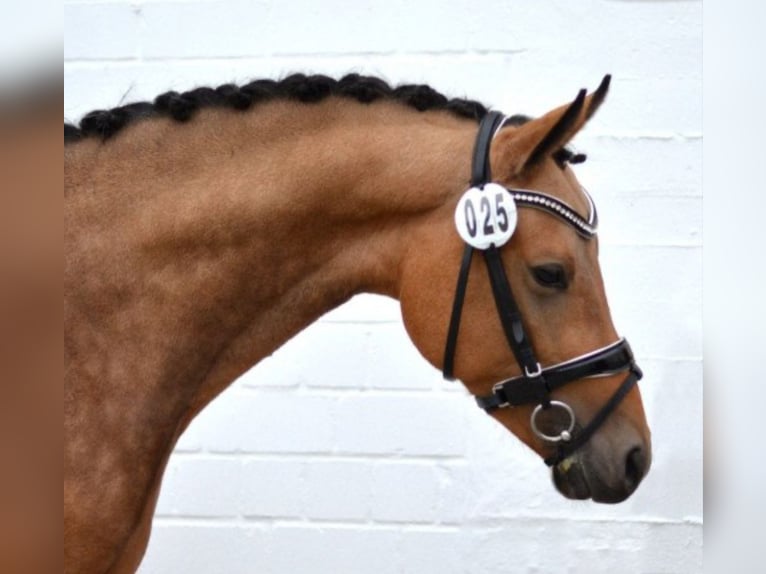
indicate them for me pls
(536, 383)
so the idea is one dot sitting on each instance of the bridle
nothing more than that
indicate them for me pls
(535, 383)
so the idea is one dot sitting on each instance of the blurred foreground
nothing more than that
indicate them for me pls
(31, 313)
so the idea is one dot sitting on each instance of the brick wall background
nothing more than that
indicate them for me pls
(345, 451)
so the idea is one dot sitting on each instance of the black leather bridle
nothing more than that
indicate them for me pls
(536, 383)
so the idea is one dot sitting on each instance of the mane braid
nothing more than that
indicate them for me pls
(181, 107)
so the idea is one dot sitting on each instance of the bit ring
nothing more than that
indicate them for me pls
(566, 434)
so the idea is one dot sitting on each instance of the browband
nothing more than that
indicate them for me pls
(585, 227)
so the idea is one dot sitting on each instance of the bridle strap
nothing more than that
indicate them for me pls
(513, 325)
(558, 208)
(448, 370)
(508, 310)
(480, 169)
(480, 174)
(516, 391)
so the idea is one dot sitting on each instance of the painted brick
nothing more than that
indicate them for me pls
(333, 549)
(341, 355)
(338, 490)
(650, 288)
(405, 492)
(660, 273)
(325, 355)
(585, 547)
(393, 362)
(365, 308)
(673, 397)
(272, 488)
(634, 166)
(239, 549)
(201, 488)
(263, 28)
(267, 422)
(386, 30)
(401, 425)
(435, 551)
(203, 29)
(100, 31)
(676, 221)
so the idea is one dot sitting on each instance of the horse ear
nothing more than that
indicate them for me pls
(518, 149)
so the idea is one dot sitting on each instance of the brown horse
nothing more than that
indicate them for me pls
(196, 248)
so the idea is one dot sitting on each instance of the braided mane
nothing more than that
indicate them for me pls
(181, 107)
(299, 87)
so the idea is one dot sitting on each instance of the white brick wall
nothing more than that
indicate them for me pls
(382, 467)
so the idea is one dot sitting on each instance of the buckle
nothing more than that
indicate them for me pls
(538, 371)
(497, 391)
(529, 388)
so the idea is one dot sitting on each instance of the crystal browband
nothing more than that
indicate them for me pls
(558, 208)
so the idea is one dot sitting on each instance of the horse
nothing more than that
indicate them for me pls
(206, 228)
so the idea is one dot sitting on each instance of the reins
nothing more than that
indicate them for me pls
(536, 383)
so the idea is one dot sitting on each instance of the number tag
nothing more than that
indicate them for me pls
(486, 217)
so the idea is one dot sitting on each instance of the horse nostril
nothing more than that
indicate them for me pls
(635, 467)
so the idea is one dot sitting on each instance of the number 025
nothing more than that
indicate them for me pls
(485, 210)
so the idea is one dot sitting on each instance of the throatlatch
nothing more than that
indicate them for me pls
(485, 219)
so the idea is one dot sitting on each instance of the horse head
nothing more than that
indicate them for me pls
(528, 329)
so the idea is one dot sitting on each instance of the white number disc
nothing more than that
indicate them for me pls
(486, 217)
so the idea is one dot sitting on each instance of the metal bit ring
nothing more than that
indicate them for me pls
(565, 434)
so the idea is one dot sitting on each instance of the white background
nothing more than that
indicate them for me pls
(345, 452)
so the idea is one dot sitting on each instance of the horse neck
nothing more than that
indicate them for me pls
(229, 234)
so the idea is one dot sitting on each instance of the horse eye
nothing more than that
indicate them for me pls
(550, 275)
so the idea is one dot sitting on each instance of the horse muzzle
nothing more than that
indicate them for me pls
(608, 469)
